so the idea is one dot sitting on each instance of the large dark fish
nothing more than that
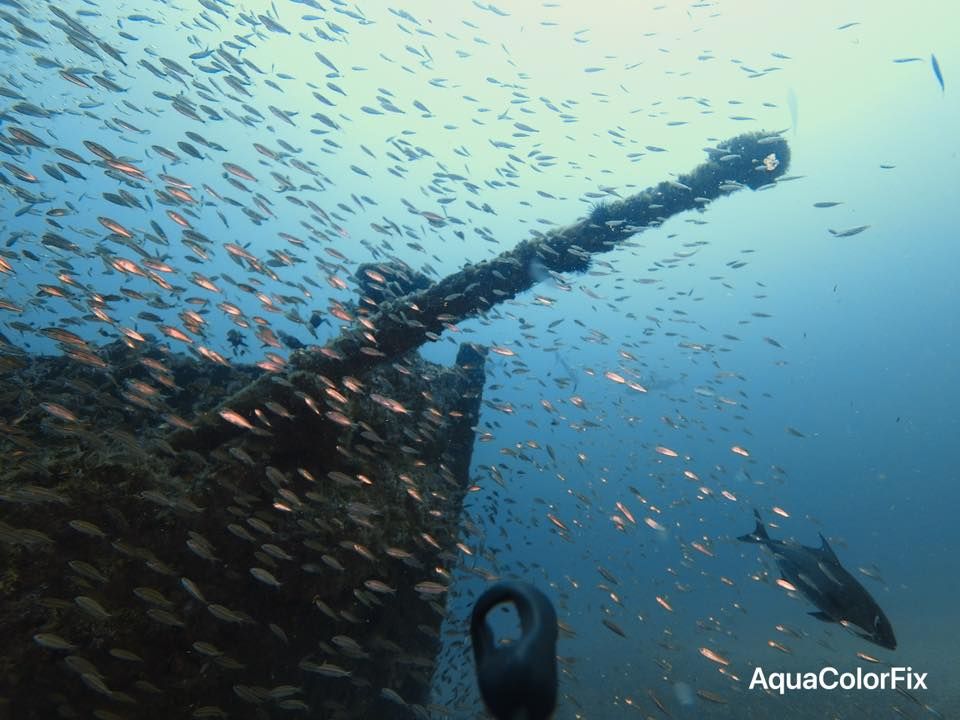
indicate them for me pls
(819, 576)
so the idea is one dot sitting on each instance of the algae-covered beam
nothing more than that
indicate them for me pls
(754, 160)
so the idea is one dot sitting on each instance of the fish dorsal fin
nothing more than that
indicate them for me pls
(827, 551)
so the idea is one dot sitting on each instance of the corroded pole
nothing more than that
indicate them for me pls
(400, 325)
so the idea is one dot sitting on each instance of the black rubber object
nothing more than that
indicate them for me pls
(518, 679)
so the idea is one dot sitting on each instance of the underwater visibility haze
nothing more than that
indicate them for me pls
(320, 318)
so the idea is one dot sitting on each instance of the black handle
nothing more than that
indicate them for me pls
(521, 676)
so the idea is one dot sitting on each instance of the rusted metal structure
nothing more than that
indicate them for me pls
(291, 550)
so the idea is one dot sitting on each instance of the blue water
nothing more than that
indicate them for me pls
(867, 325)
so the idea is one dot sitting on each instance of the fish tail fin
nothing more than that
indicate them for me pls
(759, 534)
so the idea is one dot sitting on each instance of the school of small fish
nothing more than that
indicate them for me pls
(217, 199)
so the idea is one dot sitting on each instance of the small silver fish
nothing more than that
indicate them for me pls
(936, 71)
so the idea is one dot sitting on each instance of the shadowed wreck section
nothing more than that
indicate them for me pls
(304, 569)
